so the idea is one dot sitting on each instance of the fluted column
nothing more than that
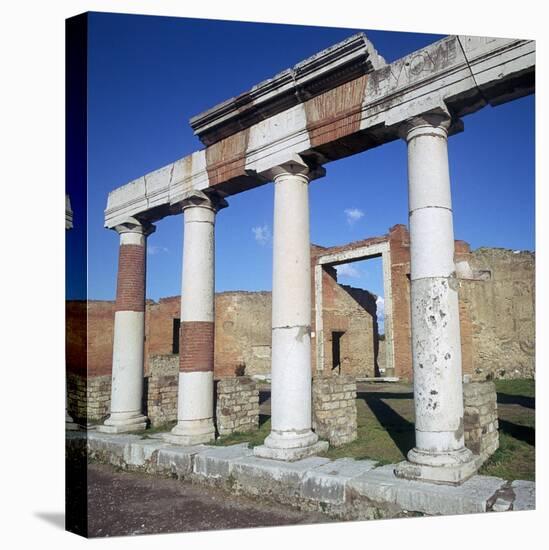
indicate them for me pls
(439, 454)
(195, 409)
(291, 436)
(129, 331)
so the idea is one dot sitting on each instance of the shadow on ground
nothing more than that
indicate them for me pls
(522, 433)
(523, 401)
(399, 429)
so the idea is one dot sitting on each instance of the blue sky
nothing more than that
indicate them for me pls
(149, 75)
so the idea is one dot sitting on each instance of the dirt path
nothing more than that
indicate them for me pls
(124, 503)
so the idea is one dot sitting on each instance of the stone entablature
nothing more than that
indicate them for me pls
(325, 70)
(458, 74)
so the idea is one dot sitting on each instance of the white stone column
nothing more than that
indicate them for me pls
(439, 454)
(195, 410)
(291, 437)
(129, 331)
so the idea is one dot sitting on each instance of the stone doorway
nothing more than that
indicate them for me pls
(348, 342)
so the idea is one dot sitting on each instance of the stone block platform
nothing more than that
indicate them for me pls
(344, 488)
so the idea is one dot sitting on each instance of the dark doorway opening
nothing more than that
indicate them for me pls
(175, 336)
(336, 350)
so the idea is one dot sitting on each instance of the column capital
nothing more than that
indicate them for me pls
(296, 167)
(213, 201)
(437, 123)
(132, 225)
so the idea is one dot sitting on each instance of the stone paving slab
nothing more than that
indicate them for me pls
(525, 494)
(266, 475)
(327, 483)
(178, 460)
(116, 446)
(217, 461)
(140, 452)
(381, 485)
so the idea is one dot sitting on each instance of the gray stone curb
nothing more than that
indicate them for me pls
(338, 487)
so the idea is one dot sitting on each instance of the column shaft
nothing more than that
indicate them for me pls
(436, 346)
(291, 436)
(195, 409)
(129, 332)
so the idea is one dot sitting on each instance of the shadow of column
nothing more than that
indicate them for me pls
(400, 430)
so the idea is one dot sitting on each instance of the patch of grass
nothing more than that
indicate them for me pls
(385, 440)
(513, 460)
(252, 438)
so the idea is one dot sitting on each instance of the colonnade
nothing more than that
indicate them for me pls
(439, 453)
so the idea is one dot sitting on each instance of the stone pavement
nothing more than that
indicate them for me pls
(344, 488)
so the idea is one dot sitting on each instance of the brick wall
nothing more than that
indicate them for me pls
(88, 398)
(334, 409)
(480, 418)
(237, 405)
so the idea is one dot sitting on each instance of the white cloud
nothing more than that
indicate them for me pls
(348, 270)
(152, 250)
(380, 304)
(353, 215)
(262, 234)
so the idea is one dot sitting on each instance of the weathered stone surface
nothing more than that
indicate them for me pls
(525, 495)
(217, 461)
(88, 398)
(112, 448)
(480, 418)
(237, 407)
(327, 483)
(502, 313)
(381, 485)
(344, 488)
(259, 475)
(142, 452)
(178, 460)
(161, 389)
(334, 409)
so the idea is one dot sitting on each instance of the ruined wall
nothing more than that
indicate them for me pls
(242, 333)
(237, 405)
(480, 416)
(88, 398)
(334, 409)
(501, 293)
(348, 315)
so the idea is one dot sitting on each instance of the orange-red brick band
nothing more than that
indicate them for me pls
(196, 348)
(130, 288)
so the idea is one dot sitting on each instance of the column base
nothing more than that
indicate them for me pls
(290, 446)
(191, 432)
(119, 423)
(451, 468)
